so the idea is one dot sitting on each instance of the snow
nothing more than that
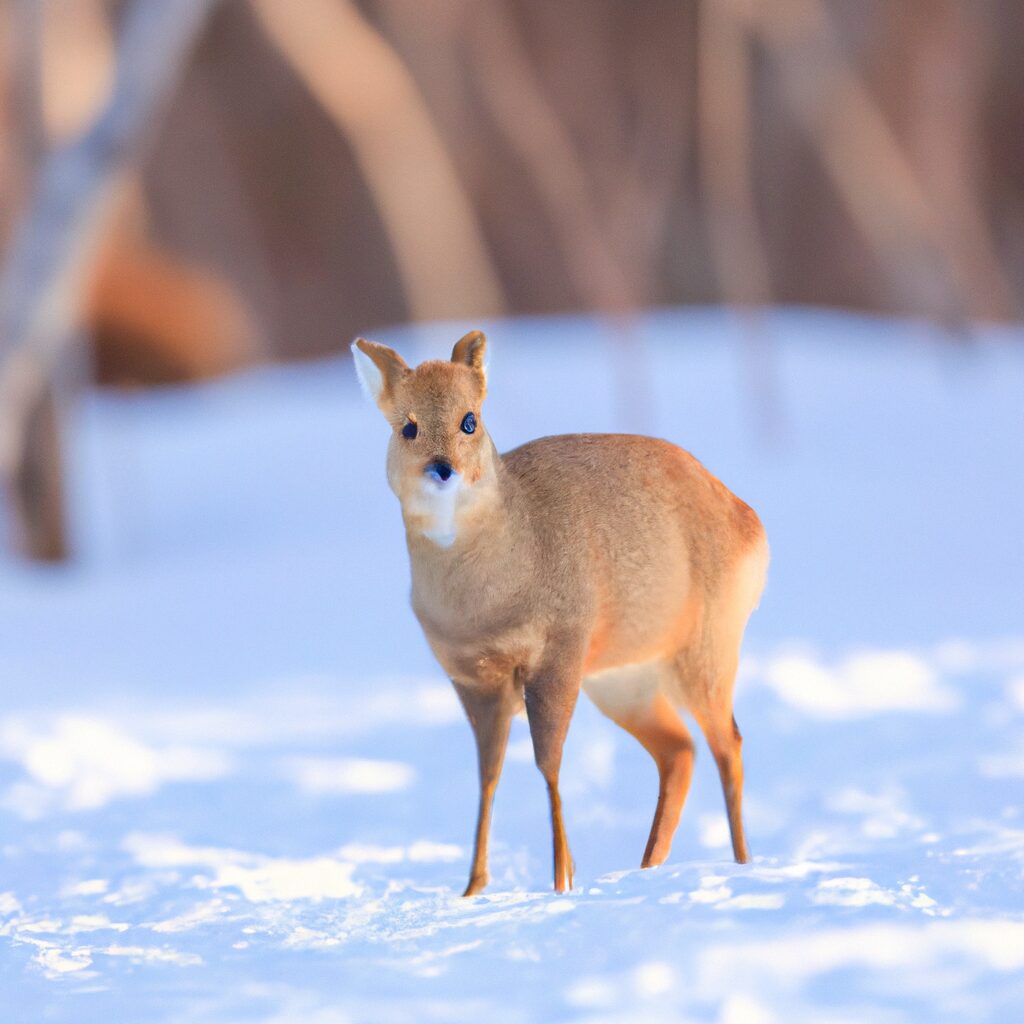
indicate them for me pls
(234, 786)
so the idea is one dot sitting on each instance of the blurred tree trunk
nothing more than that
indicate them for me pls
(37, 482)
(53, 257)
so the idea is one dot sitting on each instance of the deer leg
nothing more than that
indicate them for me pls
(725, 741)
(639, 707)
(550, 701)
(490, 714)
(663, 735)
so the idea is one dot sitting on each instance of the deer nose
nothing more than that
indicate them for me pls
(439, 470)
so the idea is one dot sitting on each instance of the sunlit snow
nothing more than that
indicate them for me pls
(234, 786)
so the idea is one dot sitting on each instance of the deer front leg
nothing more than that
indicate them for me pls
(550, 700)
(490, 714)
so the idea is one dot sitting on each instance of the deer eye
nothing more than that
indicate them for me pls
(468, 424)
(409, 431)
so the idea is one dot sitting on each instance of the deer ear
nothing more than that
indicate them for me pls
(379, 368)
(469, 351)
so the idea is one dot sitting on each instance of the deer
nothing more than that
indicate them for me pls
(612, 563)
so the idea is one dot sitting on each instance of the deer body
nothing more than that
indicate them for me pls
(610, 562)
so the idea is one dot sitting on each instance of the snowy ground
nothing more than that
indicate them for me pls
(234, 786)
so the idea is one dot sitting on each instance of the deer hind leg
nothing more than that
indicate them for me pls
(725, 741)
(633, 700)
(713, 671)
(490, 714)
(712, 708)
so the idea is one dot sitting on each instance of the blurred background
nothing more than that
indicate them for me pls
(188, 189)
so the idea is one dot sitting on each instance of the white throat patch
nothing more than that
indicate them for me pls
(433, 507)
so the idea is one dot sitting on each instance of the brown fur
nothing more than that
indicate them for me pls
(606, 560)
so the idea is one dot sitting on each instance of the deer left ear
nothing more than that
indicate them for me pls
(469, 351)
(380, 369)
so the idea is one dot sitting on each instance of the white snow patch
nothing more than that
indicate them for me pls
(596, 760)
(422, 851)
(520, 751)
(712, 890)
(302, 937)
(88, 887)
(713, 831)
(885, 815)
(592, 766)
(9, 904)
(39, 925)
(743, 1009)
(851, 892)
(716, 895)
(161, 851)
(1001, 841)
(153, 955)
(202, 913)
(136, 890)
(367, 853)
(311, 878)
(791, 961)
(862, 684)
(653, 979)
(348, 775)
(433, 963)
(260, 878)
(593, 993)
(56, 961)
(797, 870)
(425, 852)
(553, 907)
(753, 901)
(647, 981)
(82, 763)
(94, 923)
(918, 898)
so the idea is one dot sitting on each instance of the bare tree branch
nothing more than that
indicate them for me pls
(363, 85)
(534, 132)
(739, 253)
(912, 233)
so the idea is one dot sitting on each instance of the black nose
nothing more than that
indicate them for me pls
(439, 468)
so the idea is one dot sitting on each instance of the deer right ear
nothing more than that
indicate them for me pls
(469, 351)
(380, 369)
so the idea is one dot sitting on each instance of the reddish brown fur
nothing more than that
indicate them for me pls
(612, 561)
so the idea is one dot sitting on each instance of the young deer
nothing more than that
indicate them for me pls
(609, 561)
